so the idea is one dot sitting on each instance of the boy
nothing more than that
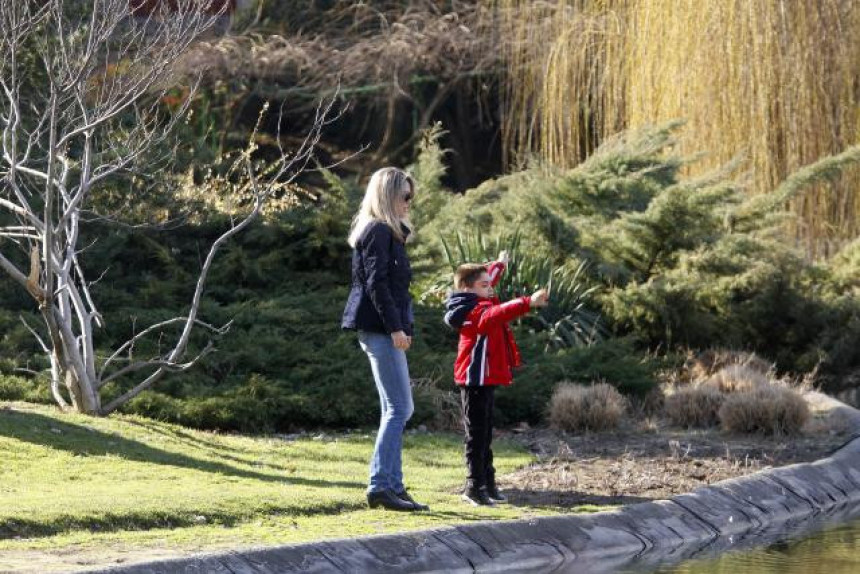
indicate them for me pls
(486, 356)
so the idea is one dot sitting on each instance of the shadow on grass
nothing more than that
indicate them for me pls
(565, 499)
(154, 519)
(215, 449)
(85, 441)
(451, 515)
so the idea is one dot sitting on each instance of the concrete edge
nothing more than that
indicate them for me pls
(739, 512)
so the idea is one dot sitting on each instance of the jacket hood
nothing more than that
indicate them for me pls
(457, 308)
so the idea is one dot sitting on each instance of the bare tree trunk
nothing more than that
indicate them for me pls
(55, 148)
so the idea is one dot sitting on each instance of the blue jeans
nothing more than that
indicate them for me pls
(391, 374)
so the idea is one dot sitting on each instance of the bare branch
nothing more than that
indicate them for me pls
(162, 369)
(130, 343)
(13, 271)
(167, 366)
(36, 335)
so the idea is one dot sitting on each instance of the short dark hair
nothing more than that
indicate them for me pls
(467, 274)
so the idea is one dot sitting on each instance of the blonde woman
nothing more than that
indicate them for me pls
(380, 309)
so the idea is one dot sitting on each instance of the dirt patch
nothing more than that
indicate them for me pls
(637, 464)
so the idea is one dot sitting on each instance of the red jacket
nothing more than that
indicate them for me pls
(487, 352)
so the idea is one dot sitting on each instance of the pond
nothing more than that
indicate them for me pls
(850, 396)
(834, 551)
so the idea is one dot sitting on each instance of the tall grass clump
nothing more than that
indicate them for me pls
(737, 391)
(709, 362)
(698, 403)
(607, 65)
(597, 407)
(697, 391)
(694, 406)
(771, 410)
(737, 378)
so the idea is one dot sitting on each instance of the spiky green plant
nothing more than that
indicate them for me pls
(567, 321)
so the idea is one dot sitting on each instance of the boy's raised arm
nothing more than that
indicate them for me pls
(497, 267)
(503, 313)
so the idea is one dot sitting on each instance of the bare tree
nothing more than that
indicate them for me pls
(105, 64)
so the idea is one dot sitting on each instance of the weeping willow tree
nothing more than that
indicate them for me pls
(776, 80)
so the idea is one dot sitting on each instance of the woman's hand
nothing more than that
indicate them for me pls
(504, 257)
(401, 340)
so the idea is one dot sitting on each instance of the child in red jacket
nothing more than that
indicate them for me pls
(486, 357)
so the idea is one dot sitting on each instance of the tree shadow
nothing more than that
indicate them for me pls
(35, 527)
(216, 449)
(86, 441)
(176, 434)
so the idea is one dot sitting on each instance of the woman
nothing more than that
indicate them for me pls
(380, 309)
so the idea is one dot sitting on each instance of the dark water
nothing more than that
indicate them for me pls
(850, 396)
(832, 551)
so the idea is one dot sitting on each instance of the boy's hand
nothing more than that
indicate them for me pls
(540, 298)
(504, 257)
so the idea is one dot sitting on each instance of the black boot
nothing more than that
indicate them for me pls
(404, 495)
(494, 494)
(477, 496)
(387, 499)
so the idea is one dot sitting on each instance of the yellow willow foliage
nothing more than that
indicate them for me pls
(564, 63)
(778, 80)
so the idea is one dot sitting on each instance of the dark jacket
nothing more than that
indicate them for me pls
(379, 297)
(487, 353)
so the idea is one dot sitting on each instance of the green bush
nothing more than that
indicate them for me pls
(676, 262)
(13, 388)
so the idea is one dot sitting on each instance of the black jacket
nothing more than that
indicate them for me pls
(379, 297)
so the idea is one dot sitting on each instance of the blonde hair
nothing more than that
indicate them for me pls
(383, 189)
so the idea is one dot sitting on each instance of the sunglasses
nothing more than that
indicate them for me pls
(408, 197)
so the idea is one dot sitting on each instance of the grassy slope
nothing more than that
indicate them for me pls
(72, 484)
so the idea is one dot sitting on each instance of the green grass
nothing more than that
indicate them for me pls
(74, 484)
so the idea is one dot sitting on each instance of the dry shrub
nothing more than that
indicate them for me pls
(695, 406)
(708, 363)
(737, 378)
(575, 407)
(772, 410)
(651, 404)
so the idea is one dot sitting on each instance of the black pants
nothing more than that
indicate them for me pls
(478, 421)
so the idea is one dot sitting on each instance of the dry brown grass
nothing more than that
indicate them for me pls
(694, 406)
(737, 390)
(575, 407)
(770, 410)
(706, 364)
(737, 378)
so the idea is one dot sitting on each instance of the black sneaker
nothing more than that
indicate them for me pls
(496, 496)
(477, 496)
(404, 495)
(387, 499)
